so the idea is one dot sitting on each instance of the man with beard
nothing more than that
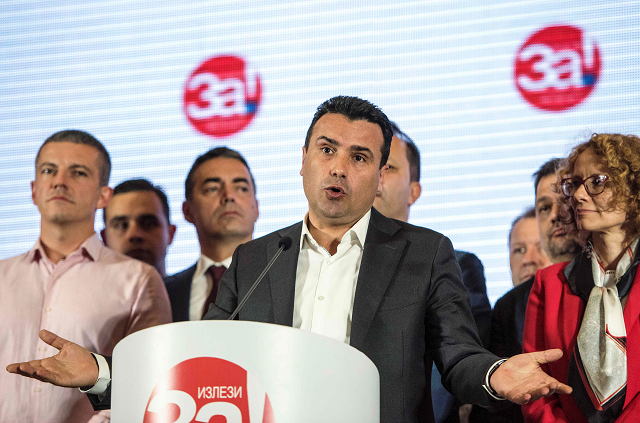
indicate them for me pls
(220, 201)
(137, 222)
(507, 320)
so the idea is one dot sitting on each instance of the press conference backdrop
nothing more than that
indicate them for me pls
(488, 90)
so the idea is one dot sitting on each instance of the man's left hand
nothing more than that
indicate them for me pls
(521, 380)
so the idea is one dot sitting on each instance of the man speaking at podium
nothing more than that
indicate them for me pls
(387, 288)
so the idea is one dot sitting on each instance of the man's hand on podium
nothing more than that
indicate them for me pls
(73, 366)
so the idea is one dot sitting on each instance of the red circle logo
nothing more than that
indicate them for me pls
(557, 67)
(207, 389)
(222, 96)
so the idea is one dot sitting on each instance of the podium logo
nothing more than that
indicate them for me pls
(557, 68)
(208, 389)
(222, 96)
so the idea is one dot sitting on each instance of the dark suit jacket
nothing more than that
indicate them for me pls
(179, 290)
(507, 321)
(410, 308)
(507, 328)
(444, 405)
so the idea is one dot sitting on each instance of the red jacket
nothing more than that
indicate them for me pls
(554, 315)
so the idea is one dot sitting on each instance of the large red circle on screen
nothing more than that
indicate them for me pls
(207, 389)
(557, 67)
(222, 96)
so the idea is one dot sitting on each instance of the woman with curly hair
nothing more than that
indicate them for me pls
(590, 307)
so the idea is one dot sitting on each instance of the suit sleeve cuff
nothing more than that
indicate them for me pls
(487, 386)
(104, 377)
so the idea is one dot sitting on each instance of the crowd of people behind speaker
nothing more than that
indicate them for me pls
(220, 201)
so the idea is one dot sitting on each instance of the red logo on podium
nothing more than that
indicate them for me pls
(208, 389)
(222, 96)
(557, 67)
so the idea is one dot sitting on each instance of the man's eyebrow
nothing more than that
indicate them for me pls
(47, 164)
(358, 148)
(361, 149)
(119, 218)
(327, 139)
(240, 179)
(215, 179)
(543, 198)
(81, 166)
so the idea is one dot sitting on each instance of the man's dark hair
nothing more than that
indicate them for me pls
(141, 184)
(189, 183)
(354, 108)
(530, 212)
(549, 168)
(80, 137)
(413, 154)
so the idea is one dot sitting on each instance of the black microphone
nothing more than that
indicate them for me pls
(284, 244)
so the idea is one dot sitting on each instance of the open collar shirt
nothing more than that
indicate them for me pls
(326, 284)
(94, 297)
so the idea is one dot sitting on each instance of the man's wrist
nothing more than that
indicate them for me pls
(487, 384)
(104, 377)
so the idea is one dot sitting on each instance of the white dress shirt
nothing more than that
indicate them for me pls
(201, 285)
(326, 284)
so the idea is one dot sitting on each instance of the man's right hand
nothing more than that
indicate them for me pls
(73, 366)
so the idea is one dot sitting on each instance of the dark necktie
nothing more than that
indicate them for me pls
(216, 273)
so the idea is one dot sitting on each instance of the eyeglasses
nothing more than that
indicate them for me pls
(594, 185)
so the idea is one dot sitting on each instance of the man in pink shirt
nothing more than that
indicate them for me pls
(69, 282)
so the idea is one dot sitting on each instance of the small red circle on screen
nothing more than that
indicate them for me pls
(557, 67)
(222, 96)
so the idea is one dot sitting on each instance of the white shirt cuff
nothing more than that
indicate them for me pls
(487, 386)
(104, 377)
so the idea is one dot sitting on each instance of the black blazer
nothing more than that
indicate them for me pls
(179, 290)
(410, 309)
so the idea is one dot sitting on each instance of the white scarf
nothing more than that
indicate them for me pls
(602, 337)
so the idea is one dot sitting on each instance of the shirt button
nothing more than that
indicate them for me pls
(36, 389)
(321, 298)
(42, 348)
(48, 309)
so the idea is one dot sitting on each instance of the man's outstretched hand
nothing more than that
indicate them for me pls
(73, 366)
(521, 380)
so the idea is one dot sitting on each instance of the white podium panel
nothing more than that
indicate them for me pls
(246, 372)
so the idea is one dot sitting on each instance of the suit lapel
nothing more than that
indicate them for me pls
(282, 275)
(380, 258)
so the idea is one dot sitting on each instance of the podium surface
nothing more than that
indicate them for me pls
(248, 372)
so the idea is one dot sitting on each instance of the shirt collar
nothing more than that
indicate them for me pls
(205, 262)
(91, 248)
(358, 231)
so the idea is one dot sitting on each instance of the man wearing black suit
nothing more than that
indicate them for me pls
(507, 319)
(220, 201)
(400, 190)
(388, 288)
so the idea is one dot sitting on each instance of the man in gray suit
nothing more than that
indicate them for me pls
(400, 190)
(389, 289)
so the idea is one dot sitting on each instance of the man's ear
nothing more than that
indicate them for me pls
(33, 193)
(415, 189)
(105, 195)
(304, 156)
(383, 172)
(172, 232)
(187, 212)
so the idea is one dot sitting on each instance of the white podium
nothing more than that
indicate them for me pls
(246, 372)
